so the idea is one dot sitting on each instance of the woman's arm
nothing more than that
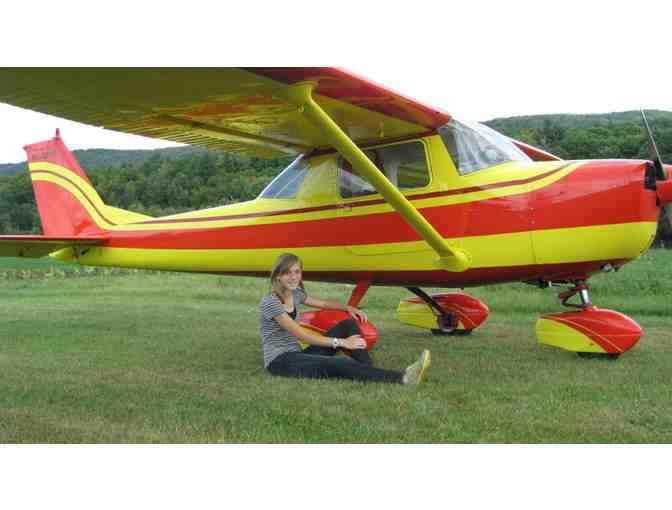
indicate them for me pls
(335, 305)
(312, 338)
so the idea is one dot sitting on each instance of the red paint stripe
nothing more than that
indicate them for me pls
(534, 152)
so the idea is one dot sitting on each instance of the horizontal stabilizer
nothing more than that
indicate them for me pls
(39, 246)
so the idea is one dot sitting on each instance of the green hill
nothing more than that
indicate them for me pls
(98, 159)
(566, 120)
(606, 135)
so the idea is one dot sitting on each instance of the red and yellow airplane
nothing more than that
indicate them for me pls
(383, 191)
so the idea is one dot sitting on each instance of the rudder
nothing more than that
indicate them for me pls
(66, 200)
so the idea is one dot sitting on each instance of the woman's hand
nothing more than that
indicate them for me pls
(354, 342)
(357, 313)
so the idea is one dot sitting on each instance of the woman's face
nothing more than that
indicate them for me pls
(292, 278)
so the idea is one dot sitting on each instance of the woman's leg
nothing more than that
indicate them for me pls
(346, 328)
(319, 350)
(299, 364)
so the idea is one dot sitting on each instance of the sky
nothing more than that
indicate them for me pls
(488, 60)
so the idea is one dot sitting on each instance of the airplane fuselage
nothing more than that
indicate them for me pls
(518, 221)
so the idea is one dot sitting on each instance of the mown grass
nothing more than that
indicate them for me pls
(147, 357)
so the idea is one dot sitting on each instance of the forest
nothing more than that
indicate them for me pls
(167, 181)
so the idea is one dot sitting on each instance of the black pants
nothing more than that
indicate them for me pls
(320, 362)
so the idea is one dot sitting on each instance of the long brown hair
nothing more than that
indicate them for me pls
(282, 266)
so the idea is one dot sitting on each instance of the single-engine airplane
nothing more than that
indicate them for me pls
(383, 191)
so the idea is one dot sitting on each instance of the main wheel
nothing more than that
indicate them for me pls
(455, 332)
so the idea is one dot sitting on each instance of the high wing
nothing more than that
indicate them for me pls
(233, 109)
(262, 112)
(39, 246)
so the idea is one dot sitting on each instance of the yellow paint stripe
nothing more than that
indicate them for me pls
(624, 240)
(79, 196)
(69, 175)
(557, 334)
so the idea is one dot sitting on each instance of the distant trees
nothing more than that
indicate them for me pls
(157, 186)
(592, 136)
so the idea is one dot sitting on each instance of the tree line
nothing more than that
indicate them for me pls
(158, 186)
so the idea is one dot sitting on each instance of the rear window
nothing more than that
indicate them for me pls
(405, 165)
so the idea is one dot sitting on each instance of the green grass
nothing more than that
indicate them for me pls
(44, 263)
(148, 357)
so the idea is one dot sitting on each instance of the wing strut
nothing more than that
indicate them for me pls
(300, 94)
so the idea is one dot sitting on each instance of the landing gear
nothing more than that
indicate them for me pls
(446, 321)
(581, 289)
(450, 314)
(589, 331)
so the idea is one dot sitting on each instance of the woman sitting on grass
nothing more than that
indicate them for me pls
(280, 335)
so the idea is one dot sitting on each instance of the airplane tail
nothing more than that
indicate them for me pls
(68, 204)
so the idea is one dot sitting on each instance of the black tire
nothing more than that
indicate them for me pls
(455, 332)
(599, 355)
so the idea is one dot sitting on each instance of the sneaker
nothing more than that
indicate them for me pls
(413, 374)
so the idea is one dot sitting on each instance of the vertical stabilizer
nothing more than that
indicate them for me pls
(67, 203)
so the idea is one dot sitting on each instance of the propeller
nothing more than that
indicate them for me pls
(654, 155)
(661, 184)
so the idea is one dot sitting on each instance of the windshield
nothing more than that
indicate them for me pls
(473, 146)
(288, 182)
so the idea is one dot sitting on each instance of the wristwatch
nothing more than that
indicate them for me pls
(336, 342)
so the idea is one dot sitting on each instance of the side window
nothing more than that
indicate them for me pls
(405, 166)
(288, 182)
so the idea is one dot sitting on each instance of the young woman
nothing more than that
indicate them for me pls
(280, 335)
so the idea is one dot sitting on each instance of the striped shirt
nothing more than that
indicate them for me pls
(274, 339)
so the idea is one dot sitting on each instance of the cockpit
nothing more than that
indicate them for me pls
(473, 146)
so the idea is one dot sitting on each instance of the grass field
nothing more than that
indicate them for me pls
(133, 357)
